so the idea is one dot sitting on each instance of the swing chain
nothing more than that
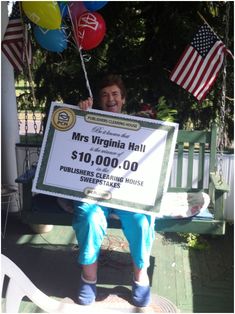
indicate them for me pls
(26, 126)
(221, 138)
(26, 164)
(34, 121)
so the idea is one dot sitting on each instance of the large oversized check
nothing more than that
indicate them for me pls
(116, 160)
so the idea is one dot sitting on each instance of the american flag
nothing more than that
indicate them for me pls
(16, 44)
(199, 65)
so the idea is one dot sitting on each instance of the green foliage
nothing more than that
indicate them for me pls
(195, 241)
(144, 41)
(164, 113)
(24, 102)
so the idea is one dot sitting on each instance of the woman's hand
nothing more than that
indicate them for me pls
(86, 104)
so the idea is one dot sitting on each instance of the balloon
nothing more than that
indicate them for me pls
(94, 5)
(63, 8)
(43, 13)
(52, 40)
(76, 9)
(90, 30)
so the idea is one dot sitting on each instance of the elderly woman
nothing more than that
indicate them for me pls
(90, 220)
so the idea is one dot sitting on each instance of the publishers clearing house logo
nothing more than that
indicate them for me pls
(87, 20)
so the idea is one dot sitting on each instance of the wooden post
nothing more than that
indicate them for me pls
(9, 121)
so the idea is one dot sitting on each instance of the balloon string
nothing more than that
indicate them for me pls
(81, 56)
(85, 73)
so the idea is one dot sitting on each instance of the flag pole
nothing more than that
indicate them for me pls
(204, 20)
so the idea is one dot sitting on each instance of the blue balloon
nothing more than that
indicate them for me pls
(53, 40)
(63, 8)
(94, 5)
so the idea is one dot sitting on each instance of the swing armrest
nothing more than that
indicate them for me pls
(217, 183)
(26, 179)
(27, 176)
(217, 189)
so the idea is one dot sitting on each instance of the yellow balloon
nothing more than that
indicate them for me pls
(43, 13)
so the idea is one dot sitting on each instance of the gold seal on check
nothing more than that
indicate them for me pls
(63, 119)
(96, 193)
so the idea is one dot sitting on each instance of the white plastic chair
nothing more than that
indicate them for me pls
(20, 286)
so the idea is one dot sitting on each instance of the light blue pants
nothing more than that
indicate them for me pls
(90, 225)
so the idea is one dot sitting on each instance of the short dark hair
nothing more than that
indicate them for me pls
(112, 79)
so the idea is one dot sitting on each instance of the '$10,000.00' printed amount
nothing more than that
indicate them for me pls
(104, 161)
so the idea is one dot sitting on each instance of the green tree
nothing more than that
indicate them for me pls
(144, 41)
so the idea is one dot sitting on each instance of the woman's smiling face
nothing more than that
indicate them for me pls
(111, 99)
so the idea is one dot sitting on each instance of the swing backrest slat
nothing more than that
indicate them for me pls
(190, 165)
(194, 144)
(201, 164)
(180, 155)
